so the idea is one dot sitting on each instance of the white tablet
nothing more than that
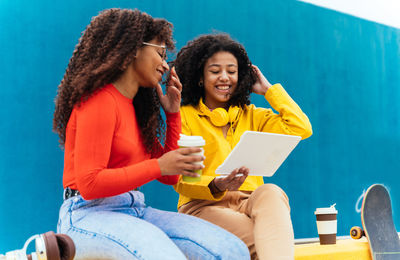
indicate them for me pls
(262, 153)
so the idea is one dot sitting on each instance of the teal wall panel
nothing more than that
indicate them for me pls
(343, 71)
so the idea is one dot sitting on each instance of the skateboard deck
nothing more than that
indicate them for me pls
(377, 222)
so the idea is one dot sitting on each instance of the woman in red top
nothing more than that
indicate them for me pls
(108, 119)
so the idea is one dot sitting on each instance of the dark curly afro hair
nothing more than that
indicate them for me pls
(105, 50)
(190, 61)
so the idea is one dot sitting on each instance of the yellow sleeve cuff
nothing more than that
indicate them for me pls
(198, 190)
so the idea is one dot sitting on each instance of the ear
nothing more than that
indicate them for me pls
(124, 66)
(201, 82)
(128, 61)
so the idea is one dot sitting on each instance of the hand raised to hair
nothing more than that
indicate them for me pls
(181, 161)
(232, 181)
(171, 101)
(262, 84)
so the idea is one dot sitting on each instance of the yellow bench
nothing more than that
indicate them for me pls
(344, 249)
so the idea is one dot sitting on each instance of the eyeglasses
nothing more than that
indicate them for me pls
(163, 54)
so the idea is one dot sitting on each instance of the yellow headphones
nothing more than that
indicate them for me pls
(219, 116)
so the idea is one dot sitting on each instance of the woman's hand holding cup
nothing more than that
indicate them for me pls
(186, 161)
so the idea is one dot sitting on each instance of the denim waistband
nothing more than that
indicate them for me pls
(129, 199)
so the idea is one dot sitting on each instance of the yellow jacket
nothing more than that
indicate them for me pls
(290, 120)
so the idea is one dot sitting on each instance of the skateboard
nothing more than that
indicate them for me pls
(378, 226)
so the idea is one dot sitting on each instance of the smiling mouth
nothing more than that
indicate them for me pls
(161, 74)
(223, 88)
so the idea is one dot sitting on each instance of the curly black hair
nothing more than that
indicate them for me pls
(190, 61)
(105, 50)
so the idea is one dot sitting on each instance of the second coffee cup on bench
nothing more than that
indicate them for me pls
(327, 225)
(192, 141)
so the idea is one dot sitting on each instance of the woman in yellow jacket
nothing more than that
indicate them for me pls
(218, 78)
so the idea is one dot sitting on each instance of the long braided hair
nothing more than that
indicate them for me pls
(105, 50)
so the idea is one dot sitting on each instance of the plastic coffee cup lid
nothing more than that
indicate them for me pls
(329, 210)
(193, 140)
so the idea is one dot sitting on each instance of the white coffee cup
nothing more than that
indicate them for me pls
(192, 141)
(327, 224)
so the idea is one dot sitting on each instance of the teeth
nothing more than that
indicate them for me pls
(223, 87)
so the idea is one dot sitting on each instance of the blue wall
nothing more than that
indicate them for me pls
(343, 71)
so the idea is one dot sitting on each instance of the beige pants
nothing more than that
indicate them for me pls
(260, 218)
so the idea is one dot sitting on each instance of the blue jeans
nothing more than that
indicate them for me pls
(123, 227)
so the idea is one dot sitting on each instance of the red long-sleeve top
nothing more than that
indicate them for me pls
(104, 154)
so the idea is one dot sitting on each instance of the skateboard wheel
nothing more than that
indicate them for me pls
(356, 232)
